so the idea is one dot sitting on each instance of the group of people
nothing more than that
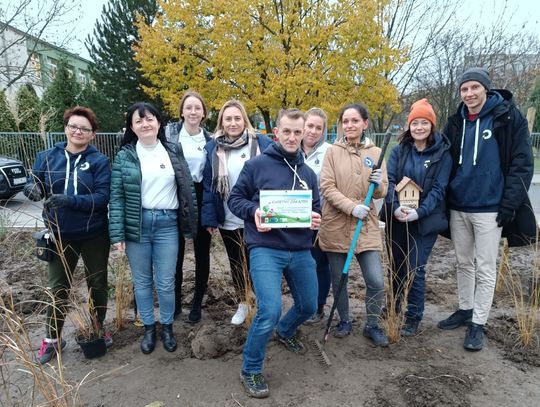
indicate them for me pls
(176, 182)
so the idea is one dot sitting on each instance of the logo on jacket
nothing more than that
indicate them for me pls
(85, 166)
(368, 162)
(486, 134)
(426, 163)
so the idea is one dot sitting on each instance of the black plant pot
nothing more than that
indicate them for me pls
(92, 348)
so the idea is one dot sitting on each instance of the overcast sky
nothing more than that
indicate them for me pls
(479, 12)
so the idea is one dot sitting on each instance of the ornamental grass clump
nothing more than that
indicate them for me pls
(524, 291)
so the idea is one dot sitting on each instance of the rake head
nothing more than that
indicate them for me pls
(321, 354)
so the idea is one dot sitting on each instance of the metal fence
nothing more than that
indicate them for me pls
(25, 146)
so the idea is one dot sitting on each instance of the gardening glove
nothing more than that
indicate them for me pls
(504, 218)
(32, 192)
(412, 215)
(376, 176)
(57, 201)
(360, 211)
(400, 214)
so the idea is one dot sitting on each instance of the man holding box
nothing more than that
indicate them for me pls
(274, 252)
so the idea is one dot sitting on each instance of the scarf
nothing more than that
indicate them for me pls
(220, 174)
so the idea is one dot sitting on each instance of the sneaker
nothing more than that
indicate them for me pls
(342, 329)
(254, 384)
(316, 318)
(457, 319)
(410, 327)
(48, 350)
(107, 336)
(292, 344)
(376, 335)
(241, 314)
(474, 338)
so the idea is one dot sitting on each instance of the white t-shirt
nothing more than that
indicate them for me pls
(194, 152)
(235, 163)
(158, 185)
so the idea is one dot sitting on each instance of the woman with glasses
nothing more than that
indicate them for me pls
(151, 206)
(235, 142)
(74, 178)
(192, 137)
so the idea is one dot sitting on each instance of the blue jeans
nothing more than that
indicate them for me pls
(267, 267)
(370, 263)
(410, 253)
(153, 259)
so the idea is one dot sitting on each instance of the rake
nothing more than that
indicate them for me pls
(320, 345)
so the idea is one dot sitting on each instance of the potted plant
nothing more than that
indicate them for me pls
(89, 332)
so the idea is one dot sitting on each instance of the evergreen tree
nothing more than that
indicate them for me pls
(63, 93)
(28, 108)
(109, 119)
(115, 72)
(534, 101)
(7, 121)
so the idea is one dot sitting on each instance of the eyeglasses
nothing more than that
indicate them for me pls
(84, 130)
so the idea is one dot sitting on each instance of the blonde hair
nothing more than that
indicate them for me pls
(233, 103)
(315, 111)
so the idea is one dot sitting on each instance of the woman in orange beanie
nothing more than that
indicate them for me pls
(420, 166)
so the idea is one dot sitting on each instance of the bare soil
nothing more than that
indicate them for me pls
(430, 369)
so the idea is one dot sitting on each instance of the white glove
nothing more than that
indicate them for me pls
(412, 215)
(400, 214)
(376, 176)
(360, 211)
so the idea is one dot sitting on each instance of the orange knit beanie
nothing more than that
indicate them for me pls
(422, 109)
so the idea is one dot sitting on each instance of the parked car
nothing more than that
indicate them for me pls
(13, 176)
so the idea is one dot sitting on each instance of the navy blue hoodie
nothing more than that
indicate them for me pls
(478, 183)
(269, 171)
(88, 176)
(430, 169)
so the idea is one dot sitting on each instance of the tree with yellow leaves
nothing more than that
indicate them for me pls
(269, 53)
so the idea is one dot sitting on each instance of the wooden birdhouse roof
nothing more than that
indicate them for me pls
(407, 181)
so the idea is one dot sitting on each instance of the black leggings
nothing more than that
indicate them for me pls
(202, 256)
(238, 254)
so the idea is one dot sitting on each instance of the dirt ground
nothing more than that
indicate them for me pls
(430, 369)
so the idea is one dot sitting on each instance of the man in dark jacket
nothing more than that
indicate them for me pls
(277, 251)
(487, 194)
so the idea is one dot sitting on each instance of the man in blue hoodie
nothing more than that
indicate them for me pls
(276, 252)
(487, 194)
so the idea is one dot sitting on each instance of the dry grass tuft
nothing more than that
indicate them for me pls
(48, 386)
(123, 289)
(524, 291)
(395, 304)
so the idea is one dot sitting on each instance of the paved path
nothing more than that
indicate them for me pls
(21, 212)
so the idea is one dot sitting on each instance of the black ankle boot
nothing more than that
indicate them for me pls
(167, 337)
(148, 342)
(195, 313)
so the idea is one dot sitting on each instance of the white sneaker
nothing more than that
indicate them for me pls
(241, 314)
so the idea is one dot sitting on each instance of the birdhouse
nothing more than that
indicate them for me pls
(408, 193)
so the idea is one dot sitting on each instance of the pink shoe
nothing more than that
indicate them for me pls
(48, 350)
